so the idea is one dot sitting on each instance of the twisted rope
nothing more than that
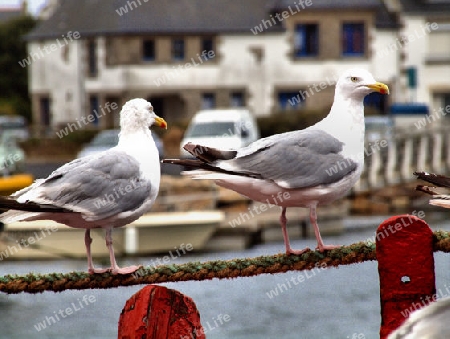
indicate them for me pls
(220, 269)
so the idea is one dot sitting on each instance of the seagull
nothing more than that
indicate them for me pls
(442, 200)
(309, 168)
(429, 322)
(106, 190)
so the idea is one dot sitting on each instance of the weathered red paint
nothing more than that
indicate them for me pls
(156, 312)
(404, 250)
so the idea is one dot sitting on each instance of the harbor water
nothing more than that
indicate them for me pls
(336, 303)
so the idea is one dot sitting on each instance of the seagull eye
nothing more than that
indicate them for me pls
(354, 79)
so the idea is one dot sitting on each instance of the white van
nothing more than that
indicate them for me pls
(221, 128)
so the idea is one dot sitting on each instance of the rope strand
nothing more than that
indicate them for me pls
(220, 269)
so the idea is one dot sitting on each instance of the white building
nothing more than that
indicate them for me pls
(426, 49)
(184, 55)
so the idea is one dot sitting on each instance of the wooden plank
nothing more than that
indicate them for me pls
(156, 312)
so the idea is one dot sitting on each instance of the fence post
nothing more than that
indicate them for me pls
(404, 247)
(156, 312)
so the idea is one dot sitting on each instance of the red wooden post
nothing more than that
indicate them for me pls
(156, 312)
(406, 268)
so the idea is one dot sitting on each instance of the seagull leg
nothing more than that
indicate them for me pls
(115, 269)
(88, 242)
(283, 221)
(320, 244)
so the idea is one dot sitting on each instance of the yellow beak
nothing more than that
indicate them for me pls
(160, 122)
(379, 87)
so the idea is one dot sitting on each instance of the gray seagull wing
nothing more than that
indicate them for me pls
(298, 159)
(97, 186)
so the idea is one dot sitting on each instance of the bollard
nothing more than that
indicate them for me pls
(156, 312)
(404, 248)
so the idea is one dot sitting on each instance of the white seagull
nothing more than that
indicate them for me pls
(429, 322)
(105, 190)
(311, 167)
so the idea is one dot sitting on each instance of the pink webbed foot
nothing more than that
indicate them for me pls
(98, 270)
(322, 247)
(297, 252)
(114, 271)
(125, 270)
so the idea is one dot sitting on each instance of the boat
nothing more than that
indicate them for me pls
(157, 232)
(12, 183)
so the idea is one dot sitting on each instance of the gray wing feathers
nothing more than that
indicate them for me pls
(98, 187)
(297, 159)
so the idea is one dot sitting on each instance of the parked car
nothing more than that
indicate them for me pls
(379, 128)
(12, 157)
(107, 139)
(221, 128)
(15, 126)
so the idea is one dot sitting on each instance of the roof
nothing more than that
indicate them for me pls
(108, 17)
(383, 18)
(104, 17)
(426, 7)
(332, 4)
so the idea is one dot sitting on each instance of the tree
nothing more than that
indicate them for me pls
(14, 96)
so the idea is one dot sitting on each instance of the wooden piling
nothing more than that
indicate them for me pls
(404, 248)
(156, 312)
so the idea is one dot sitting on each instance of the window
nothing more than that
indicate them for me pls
(353, 39)
(112, 118)
(237, 99)
(290, 100)
(306, 40)
(148, 50)
(446, 100)
(178, 49)
(94, 108)
(44, 108)
(92, 58)
(208, 101)
(65, 52)
(207, 45)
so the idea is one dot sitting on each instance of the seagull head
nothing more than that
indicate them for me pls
(137, 114)
(356, 83)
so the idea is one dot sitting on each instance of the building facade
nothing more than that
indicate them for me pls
(184, 55)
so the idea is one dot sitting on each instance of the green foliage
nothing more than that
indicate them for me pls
(13, 77)
(281, 122)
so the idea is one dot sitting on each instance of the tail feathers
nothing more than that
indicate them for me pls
(23, 211)
(438, 199)
(435, 179)
(208, 159)
(440, 202)
(8, 203)
(201, 174)
(199, 165)
(208, 154)
(191, 163)
(426, 189)
(196, 165)
(14, 215)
